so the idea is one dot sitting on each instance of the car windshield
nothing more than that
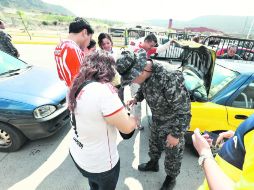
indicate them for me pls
(9, 64)
(195, 85)
(221, 78)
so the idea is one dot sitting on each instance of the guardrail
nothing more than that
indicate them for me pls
(244, 47)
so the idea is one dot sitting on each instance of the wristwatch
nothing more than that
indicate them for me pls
(202, 158)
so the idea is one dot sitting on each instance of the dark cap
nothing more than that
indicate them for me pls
(130, 65)
(79, 24)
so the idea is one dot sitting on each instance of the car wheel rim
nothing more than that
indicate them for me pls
(5, 139)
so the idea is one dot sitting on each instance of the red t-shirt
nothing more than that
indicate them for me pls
(68, 57)
(148, 53)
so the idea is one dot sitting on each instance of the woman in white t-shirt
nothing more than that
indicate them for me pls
(98, 114)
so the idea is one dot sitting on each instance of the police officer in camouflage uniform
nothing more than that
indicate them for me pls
(166, 95)
(5, 42)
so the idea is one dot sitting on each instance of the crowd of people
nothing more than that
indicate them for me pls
(90, 77)
(95, 80)
(99, 111)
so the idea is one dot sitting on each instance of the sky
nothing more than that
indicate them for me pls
(139, 10)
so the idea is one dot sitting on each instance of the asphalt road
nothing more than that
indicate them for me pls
(45, 164)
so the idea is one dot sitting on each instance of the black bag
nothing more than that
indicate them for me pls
(127, 136)
(123, 135)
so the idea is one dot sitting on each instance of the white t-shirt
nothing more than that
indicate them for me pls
(94, 147)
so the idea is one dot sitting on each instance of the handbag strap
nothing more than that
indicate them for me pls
(82, 86)
(73, 119)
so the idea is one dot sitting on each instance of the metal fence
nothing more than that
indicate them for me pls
(244, 47)
(173, 52)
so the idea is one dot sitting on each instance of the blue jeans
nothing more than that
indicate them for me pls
(102, 181)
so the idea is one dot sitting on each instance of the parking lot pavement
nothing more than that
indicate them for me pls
(45, 164)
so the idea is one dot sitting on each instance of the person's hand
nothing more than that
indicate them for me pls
(171, 141)
(208, 139)
(226, 134)
(131, 103)
(200, 143)
(135, 120)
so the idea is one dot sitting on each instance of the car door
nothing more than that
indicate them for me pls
(242, 106)
(208, 116)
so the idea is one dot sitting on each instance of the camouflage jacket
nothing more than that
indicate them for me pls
(168, 99)
(6, 45)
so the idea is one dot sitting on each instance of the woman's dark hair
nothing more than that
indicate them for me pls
(151, 38)
(91, 44)
(103, 36)
(98, 67)
(79, 24)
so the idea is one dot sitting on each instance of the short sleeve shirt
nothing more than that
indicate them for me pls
(93, 146)
(68, 57)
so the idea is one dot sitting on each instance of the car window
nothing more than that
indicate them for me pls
(246, 98)
(7, 63)
(221, 78)
(195, 85)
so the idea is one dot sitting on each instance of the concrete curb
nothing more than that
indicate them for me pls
(49, 43)
(35, 43)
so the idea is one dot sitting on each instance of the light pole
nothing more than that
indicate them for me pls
(250, 28)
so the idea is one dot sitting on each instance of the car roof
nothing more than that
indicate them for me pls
(240, 66)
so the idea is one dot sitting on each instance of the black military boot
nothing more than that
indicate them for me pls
(169, 183)
(152, 166)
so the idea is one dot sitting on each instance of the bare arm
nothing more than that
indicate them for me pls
(164, 47)
(216, 178)
(122, 121)
(226, 134)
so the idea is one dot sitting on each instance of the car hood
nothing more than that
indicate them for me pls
(195, 57)
(35, 86)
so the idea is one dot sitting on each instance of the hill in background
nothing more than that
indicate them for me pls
(39, 14)
(35, 5)
(227, 24)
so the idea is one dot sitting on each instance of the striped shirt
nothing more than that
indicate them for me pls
(68, 57)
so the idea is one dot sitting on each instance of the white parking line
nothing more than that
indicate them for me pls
(53, 162)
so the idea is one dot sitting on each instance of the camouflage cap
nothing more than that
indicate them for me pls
(130, 65)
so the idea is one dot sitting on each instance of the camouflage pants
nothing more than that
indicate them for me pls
(173, 156)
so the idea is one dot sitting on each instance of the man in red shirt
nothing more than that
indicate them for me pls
(69, 53)
(148, 45)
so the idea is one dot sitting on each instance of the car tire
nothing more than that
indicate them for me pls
(11, 139)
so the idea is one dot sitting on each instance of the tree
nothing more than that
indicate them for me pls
(21, 15)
